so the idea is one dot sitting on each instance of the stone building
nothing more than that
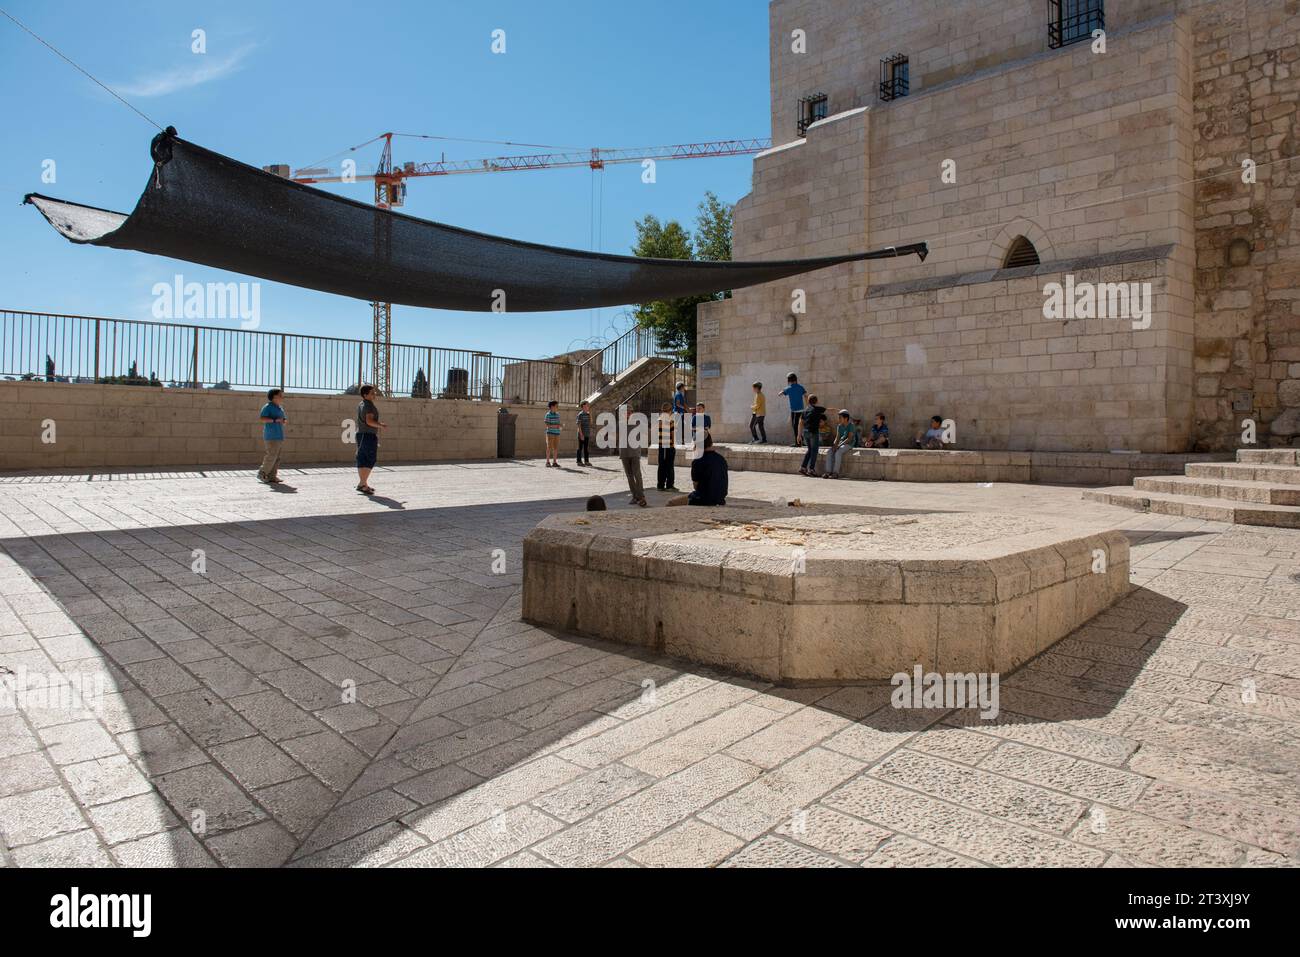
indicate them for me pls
(1027, 149)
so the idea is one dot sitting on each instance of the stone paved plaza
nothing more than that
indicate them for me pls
(1162, 733)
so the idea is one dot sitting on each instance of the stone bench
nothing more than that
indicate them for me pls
(923, 465)
(822, 593)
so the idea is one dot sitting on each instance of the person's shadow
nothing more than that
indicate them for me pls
(387, 502)
(283, 489)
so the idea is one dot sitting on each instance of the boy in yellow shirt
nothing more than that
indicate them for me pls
(758, 412)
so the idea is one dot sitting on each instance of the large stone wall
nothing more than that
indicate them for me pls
(117, 426)
(1087, 155)
(847, 39)
(1247, 74)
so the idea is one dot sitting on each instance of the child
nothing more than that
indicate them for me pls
(701, 421)
(757, 413)
(667, 479)
(933, 437)
(679, 399)
(795, 392)
(813, 418)
(367, 436)
(846, 437)
(584, 434)
(273, 420)
(879, 433)
(553, 430)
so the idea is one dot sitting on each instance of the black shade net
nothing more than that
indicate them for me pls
(202, 207)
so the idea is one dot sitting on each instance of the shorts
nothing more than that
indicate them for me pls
(367, 449)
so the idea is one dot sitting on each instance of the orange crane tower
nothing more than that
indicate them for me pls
(390, 193)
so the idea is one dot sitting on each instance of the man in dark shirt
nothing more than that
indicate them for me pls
(709, 475)
(368, 429)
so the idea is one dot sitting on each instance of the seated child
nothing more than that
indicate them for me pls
(933, 436)
(846, 436)
(879, 433)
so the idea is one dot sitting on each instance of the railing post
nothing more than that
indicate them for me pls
(428, 375)
(361, 360)
(96, 350)
(282, 361)
(197, 383)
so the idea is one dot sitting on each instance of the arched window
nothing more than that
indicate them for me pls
(1020, 253)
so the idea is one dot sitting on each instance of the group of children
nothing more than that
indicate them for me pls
(708, 469)
(365, 435)
(670, 414)
(808, 418)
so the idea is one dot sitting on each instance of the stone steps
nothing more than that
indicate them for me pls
(1269, 456)
(1192, 506)
(1255, 493)
(1261, 488)
(1244, 472)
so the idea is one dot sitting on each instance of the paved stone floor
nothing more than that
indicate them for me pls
(1165, 732)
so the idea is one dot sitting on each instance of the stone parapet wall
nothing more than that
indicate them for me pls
(117, 426)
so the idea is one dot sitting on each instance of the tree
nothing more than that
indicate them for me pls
(420, 387)
(674, 319)
(713, 231)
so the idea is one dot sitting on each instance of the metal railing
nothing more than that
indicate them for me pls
(55, 347)
(658, 391)
(1069, 21)
(619, 355)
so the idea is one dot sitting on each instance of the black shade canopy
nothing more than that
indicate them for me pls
(202, 207)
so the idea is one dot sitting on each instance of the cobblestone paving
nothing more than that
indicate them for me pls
(1163, 733)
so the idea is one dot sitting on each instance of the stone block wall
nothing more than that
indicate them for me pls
(116, 426)
(1087, 155)
(1247, 76)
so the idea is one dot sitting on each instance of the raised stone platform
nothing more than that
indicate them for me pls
(917, 465)
(822, 593)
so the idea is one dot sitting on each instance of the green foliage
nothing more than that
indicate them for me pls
(674, 319)
(420, 387)
(132, 377)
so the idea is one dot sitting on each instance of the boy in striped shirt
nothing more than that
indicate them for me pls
(553, 430)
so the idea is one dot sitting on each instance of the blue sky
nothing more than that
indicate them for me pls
(288, 83)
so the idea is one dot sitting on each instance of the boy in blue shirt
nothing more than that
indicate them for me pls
(701, 420)
(679, 400)
(795, 392)
(932, 438)
(879, 433)
(273, 420)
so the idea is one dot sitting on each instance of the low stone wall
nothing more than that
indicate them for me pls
(916, 465)
(118, 426)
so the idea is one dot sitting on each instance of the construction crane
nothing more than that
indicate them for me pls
(390, 193)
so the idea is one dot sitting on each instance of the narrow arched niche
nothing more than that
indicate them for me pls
(1021, 252)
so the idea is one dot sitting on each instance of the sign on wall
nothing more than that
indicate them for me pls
(710, 370)
(709, 328)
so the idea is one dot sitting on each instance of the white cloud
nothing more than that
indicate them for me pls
(206, 68)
